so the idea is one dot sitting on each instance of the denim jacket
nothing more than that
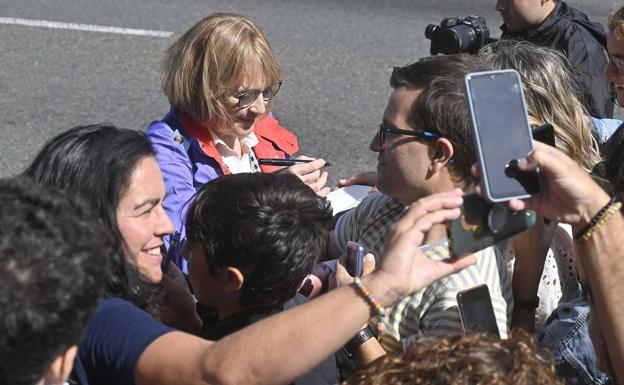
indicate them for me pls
(566, 334)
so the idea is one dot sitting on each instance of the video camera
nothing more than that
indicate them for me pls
(458, 35)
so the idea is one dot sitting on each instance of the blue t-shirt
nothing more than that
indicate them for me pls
(115, 339)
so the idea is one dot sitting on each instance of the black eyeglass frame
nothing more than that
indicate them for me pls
(427, 135)
(254, 95)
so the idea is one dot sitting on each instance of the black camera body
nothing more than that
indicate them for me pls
(458, 35)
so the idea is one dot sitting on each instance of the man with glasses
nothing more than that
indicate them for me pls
(424, 146)
(555, 24)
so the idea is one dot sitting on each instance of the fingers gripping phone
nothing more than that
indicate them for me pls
(482, 224)
(501, 133)
(476, 311)
(355, 259)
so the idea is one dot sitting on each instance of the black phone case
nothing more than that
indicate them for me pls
(471, 232)
(476, 311)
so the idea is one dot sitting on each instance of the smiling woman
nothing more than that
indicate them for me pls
(116, 172)
(142, 220)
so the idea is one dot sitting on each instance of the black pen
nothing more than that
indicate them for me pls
(285, 162)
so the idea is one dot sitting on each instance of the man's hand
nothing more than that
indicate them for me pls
(311, 174)
(568, 193)
(404, 268)
(368, 178)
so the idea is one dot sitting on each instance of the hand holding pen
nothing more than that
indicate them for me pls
(287, 162)
(307, 169)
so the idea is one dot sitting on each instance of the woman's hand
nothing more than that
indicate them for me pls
(311, 174)
(342, 278)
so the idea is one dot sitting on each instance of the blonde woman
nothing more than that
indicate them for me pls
(544, 256)
(220, 78)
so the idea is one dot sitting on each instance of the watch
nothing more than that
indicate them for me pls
(362, 336)
(530, 304)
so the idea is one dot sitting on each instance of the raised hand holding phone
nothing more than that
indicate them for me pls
(502, 134)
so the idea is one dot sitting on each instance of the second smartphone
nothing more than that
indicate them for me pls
(482, 224)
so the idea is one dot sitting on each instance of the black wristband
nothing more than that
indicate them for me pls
(530, 304)
(596, 218)
(362, 336)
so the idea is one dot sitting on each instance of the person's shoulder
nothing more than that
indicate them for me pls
(115, 310)
(115, 304)
(159, 128)
(378, 200)
(374, 205)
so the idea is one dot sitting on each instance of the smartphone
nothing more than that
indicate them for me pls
(355, 259)
(501, 133)
(482, 224)
(476, 311)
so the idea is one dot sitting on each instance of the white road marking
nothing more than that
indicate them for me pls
(84, 27)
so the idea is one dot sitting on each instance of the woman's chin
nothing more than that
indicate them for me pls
(154, 276)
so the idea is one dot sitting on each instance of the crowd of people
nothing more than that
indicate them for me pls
(178, 254)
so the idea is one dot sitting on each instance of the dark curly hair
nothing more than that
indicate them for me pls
(272, 227)
(441, 107)
(480, 358)
(96, 163)
(53, 259)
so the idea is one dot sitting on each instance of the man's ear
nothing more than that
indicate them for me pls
(234, 279)
(441, 153)
(60, 369)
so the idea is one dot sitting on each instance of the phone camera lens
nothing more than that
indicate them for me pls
(497, 217)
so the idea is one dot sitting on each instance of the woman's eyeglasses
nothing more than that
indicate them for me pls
(246, 99)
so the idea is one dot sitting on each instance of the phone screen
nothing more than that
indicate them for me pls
(476, 311)
(355, 256)
(502, 132)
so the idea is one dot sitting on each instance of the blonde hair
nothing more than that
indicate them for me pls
(616, 22)
(211, 60)
(552, 95)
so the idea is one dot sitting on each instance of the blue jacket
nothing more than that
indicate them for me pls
(188, 158)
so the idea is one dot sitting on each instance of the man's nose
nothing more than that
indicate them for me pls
(375, 144)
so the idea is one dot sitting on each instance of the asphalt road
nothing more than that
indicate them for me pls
(337, 56)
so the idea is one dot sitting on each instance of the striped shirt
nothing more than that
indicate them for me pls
(433, 310)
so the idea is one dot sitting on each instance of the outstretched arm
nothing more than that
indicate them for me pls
(570, 195)
(280, 348)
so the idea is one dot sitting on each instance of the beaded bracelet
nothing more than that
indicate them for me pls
(377, 309)
(599, 219)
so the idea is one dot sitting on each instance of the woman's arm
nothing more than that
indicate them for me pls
(530, 250)
(569, 195)
(280, 348)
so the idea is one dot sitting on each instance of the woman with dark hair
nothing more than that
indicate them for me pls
(100, 163)
(116, 170)
(97, 162)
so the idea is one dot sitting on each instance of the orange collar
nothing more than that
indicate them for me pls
(274, 141)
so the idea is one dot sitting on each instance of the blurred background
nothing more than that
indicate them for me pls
(337, 56)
